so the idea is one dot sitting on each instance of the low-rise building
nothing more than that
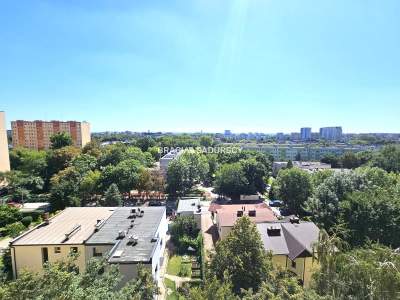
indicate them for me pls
(190, 207)
(292, 245)
(167, 158)
(125, 236)
(131, 236)
(54, 239)
(227, 215)
(310, 166)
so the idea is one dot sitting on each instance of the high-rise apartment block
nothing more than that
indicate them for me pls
(305, 134)
(330, 133)
(4, 157)
(36, 134)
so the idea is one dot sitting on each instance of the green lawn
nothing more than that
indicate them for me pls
(169, 284)
(174, 265)
(180, 266)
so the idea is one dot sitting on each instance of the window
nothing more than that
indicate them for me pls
(57, 249)
(95, 253)
(239, 213)
(252, 213)
(293, 264)
(45, 255)
(74, 249)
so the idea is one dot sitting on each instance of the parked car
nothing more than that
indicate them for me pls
(275, 203)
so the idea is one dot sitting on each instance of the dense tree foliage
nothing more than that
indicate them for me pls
(241, 257)
(62, 280)
(60, 140)
(245, 176)
(112, 196)
(183, 172)
(293, 186)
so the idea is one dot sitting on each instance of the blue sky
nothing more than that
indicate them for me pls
(255, 65)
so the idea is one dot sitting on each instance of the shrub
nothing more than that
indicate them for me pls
(15, 229)
(185, 270)
(26, 221)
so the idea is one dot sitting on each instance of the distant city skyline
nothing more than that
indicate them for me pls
(203, 65)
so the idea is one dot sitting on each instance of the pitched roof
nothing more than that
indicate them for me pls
(82, 219)
(227, 214)
(294, 239)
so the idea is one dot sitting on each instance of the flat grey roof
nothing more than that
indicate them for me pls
(144, 229)
(293, 240)
(187, 205)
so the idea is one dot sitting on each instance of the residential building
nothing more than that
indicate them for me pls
(294, 136)
(35, 207)
(307, 152)
(330, 133)
(190, 207)
(167, 158)
(305, 134)
(310, 166)
(36, 134)
(131, 236)
(227, 132)
(125, 236)
(54, 239)
(4, 156)
(227, 215)
(292, 245)
(280, 136)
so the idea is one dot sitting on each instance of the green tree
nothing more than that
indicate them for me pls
(60, 159)
(331, 159)
(60, 140)
(184, 171)
(89, 185)
(28, 161)
(388, 158)
(206, 141)
(9, 215)
(112, 196)
(145, 143)
(241, 257)
(20, 185)
(65, 189)
(213, 289)
(324, 202)
(62, 280)
(92, 148)
(349, 160)
(125, 175)
(366, 273)
(184, 225)
(293, 187)
(231, 181)
(372, 216)
(255, 173)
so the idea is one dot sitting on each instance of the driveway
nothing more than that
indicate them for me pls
(210, 233)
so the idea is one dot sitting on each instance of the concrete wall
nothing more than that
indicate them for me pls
(4, 156)
(305, 266)
(158, 256)
(30, 257)
(85, 133)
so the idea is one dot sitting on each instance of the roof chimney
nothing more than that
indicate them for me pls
(46, 218)
(294, 220)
